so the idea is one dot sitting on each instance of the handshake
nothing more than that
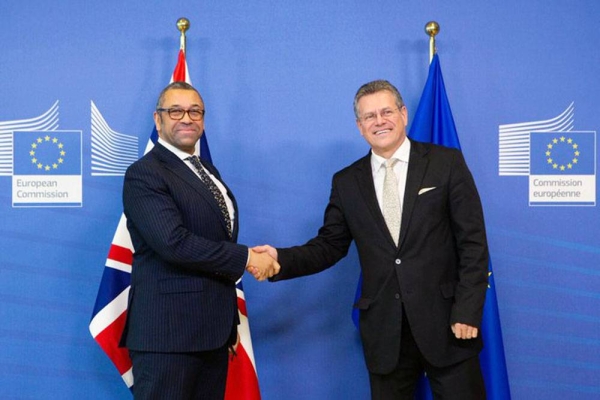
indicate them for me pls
(262, 262)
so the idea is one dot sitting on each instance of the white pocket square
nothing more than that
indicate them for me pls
(425, 190)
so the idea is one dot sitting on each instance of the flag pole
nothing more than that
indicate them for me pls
(183, 24)
(432, 28)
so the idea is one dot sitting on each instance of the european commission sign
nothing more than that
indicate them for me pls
(45, 163)
(562, 168)
(47, 169)
(560, 162)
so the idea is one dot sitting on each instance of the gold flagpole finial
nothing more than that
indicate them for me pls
(183, 24)
(432, 28)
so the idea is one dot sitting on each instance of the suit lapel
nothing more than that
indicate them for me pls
(366, 187)
(417, 165)
(178, 167)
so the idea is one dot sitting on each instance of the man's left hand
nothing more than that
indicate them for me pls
(462, 331)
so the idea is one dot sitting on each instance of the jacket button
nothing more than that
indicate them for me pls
(398, 261)
(397, 296)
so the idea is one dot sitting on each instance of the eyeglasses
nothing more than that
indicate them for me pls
(386, 113)
(178, 113)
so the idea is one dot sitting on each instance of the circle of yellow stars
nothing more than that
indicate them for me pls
(47, 140)
(560, 141)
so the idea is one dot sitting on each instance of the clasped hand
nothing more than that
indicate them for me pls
(463, 331)
(262, 263)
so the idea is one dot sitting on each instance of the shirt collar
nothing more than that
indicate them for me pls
(402, 154)
(179, 153)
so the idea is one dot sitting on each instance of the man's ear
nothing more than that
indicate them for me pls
(157, 121)
(359, 126)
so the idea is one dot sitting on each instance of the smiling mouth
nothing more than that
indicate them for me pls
(381, 132)
(186, 130)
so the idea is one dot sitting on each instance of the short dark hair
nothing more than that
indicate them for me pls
(376, 87)
(176, 85)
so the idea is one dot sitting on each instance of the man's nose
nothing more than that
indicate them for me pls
(186, 117)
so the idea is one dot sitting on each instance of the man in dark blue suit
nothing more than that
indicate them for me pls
(182, 314)
(414, 213)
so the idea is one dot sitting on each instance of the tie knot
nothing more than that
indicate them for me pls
(391, 163)
(194, 160)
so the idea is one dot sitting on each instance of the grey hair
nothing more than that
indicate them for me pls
(376, 87)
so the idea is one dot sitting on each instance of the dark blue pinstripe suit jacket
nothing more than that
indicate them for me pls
(182, 296)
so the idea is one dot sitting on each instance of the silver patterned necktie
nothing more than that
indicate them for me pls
(391, 200)
(213, 189)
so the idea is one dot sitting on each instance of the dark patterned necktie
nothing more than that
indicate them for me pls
(213, 189)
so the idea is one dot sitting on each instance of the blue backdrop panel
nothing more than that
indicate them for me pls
(278, 79)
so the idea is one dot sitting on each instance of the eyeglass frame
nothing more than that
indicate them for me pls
(370, 117)
(174, 109)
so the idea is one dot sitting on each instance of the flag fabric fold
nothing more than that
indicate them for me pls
(110, 309)
(433, 122)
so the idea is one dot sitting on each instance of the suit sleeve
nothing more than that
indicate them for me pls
(321, 252)
(155, 221)
(468, 227)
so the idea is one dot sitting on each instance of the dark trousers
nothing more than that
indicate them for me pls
(462, 381)
(181, 376)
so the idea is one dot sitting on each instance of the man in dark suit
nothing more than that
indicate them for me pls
(414, 212)
(182, 314)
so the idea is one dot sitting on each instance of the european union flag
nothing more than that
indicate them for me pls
(433, 121)
(562, 153)
(47, 153)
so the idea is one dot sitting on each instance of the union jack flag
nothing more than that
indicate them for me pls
(110, 310)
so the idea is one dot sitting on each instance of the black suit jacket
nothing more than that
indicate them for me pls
(182, 295)
(438, 271)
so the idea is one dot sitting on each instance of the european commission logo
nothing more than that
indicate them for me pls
(560, 161)
(45, 163)
(47, 169)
